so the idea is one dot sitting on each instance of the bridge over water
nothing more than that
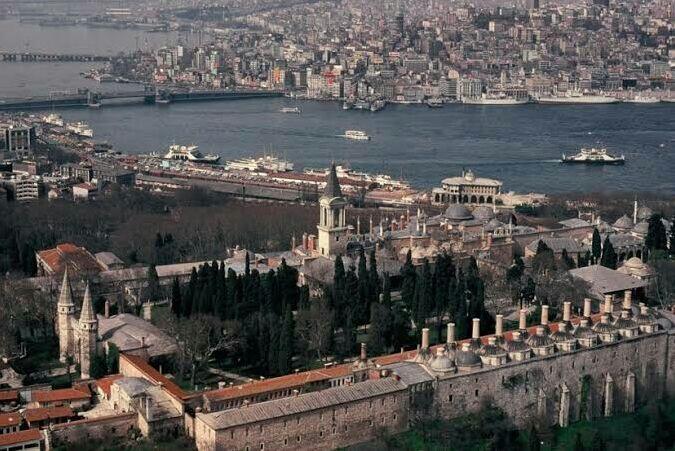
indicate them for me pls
(86, 98)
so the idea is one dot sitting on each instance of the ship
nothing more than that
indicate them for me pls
(189, 153)
(356, 135)
(642, 99)
(361, 105)
(53, 119)
(435, 103)
(293, 110)
(578, 98)
(593, 156)
(347, 174)
(80, 129)
(377, 105)
(495, 100)
(268, 163)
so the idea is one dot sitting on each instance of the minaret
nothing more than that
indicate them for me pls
(66, 318)
(88, 334)
(332, 221)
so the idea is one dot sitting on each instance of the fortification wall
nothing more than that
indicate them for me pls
(103, 428)
(533, 389)
(321, 429)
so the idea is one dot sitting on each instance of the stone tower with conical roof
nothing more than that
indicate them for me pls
(88, 331)
(66, 318)
(332, 219)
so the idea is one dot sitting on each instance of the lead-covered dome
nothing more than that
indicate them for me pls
(456, 212)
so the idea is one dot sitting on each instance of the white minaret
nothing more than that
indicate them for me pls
(66, 318)
(332, 221)
(635, 209)
(88, 334)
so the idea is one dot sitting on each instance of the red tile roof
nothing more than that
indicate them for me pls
(155, 376)
(105, 383)
(16, 438)
(10, 419)
(9, 395)
(63, 394)
(78, 259)
(48, 413)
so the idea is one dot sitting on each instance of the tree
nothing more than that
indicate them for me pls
(154, 292)
(671, 244)
(113, 358)
(566, 261)
(315, 327)
(656, 234)
(364, 292)
(176, 298)
(374, 278)
(99, 365)
(409, 276)
(286, 346)
(379, 332)
(544, 260)
(609, 257)
(596, 246)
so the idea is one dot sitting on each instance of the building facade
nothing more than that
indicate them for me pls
(467, 189)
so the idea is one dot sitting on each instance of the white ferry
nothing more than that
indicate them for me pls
(80, 129)
(577, 98)
(53, 119)
(505, 101)
(189, 153)
(642, 99)
(288, 110)
(357, 135)
(593, 156)
(268, 163)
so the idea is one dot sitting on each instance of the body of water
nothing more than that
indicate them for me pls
(519, 145)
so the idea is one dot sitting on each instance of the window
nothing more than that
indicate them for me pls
(297, 420)
(231, 434)
(476, 392)
(370, 404)
(345, 428)
(285, 441)
(297, 439)
(262, 446)
(450, 398)
(246, 432)
(370, 423)
(334, 430)
(248, 448)
(261, 428)
(320, 433)
(395, 417)
(382, 401)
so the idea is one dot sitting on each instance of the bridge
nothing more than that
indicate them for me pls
(86, 98)
(32, 57)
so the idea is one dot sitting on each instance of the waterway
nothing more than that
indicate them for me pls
(519, 145)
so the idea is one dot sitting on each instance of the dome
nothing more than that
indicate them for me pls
(641, 228)
(624, 222)
(644, 213)
(456, 212)
(516, 346)
(483, 213)
(624, 322)
(604, 327)
(584, 332)
(540, 341)
(442, 362)
(562, 335)
(634, 263)
(491, 350)
(493, 224)
(465, 357)
(645, 319)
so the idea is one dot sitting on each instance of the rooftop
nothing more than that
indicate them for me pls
(77, 259)
(48, 413)
(127, 332)
(155, 376)
(16, 438)
(10, 419)
(605, 280)
(63, 394)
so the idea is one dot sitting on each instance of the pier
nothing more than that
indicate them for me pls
(150, 95)
(30, 57)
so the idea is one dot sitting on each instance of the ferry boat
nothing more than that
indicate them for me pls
(268, 163)
(377, 105)
(577, 98)
(189, 153)
(495, 100)
(80, 129)
(53, 119)
(356, 135)
(642, 99)
(593, 156)
(435, 103)
(361, 105)
(293, 110)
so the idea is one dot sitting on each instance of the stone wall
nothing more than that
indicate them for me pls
(533, 389)
(322, 429)
(103, 428)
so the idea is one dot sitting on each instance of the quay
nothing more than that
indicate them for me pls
(30, 57)
(151, 95)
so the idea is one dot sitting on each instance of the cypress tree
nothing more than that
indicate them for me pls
(374, 278)
(386, 291)
(303, 298)
(153, 293)
(671, 249)
(567, 261)
(596, 246)
(112, 358)
(363, 310)
(286, 348)
(656, 234)
(191, 294)
(176, 298)
(379, 332)
(609, 258)
(339, 294)
(409, 276)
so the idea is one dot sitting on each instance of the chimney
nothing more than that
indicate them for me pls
(364, 354)
(370, 228)
(381, 228)
(608, 304)
(451, 333)
(304, 240)
(584, 322)
(567, 311)
(499, 325)
(604, 319)
(425, 338)
(293, 242)
(492, 340)
(475, 333)
(544, 315)
(358, 225)
(540, 330)
(562, 327)
(515, 336)
(522, 324)
(424, 228)
(587, 307)
(627, 299)
(403, 221)
(644, 310)
(106, 309)
(142, 342)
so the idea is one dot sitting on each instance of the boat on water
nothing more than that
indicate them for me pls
(435, 103)
(357, 135)
(642, 99)
(267, 163)
(488, 100)
(80, 129)
(53, 119)
(361, 105)
(593, 155)
(190, 153)
(577, 98)
(290, 110)
(377, 105)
